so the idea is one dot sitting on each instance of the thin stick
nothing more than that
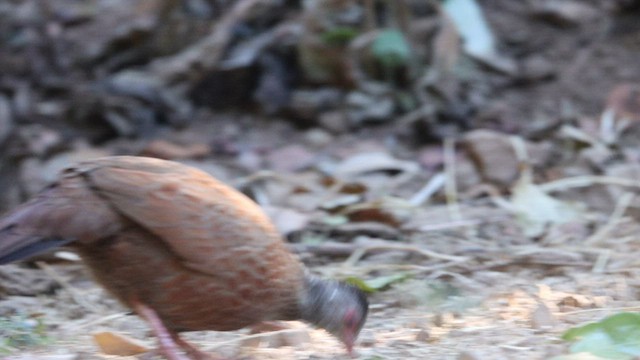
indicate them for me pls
(601, 261)
(432, 186)
(414, 269)
(621, 207)
(587, 180)
(206, 53)
(75, 295)
(99, 321)
(359, 253)
(451, 190)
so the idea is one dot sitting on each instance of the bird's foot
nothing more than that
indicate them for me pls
(169, 343)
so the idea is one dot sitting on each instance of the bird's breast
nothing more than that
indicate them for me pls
(238, 286)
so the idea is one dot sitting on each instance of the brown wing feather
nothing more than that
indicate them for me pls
(197, 216)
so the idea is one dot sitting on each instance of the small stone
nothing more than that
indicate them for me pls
(542, 318)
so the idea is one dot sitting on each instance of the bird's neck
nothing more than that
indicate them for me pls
(313, 302)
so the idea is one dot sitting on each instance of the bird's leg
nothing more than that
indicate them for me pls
(166, 340)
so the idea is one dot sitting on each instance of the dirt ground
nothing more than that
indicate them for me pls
(477, 285)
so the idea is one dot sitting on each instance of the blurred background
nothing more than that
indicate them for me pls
(479, 157)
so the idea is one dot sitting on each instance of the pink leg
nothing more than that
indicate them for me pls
(168, 346)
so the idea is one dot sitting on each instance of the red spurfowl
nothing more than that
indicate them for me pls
(180, 248)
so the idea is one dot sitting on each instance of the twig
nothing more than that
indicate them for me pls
(494, 195)
(461, 278)
(617, 214)
(361, 251)
(451, 190)
(206, 53)
(99, 321)
(608, 133)
(458, 224)
(520, 150)
(601, 261)
(270, 175)
(415, 269)
(587, 180)
(431, 187)
(75, 295)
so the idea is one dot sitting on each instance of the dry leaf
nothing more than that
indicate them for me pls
(116, 344)
(536, 209)
(373, 161)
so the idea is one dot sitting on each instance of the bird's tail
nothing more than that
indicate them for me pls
(20, 240)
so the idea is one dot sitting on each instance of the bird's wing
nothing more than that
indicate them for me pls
(198, 217)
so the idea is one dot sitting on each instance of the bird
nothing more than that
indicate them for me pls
(183, 250)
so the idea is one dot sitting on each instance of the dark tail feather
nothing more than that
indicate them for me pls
(23, 236)
(27, 248)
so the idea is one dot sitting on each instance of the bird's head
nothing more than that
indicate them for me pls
(339, 308)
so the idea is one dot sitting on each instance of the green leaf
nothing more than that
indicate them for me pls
(339, 36)
(615, 337)
(391, 49)
(376, 284)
